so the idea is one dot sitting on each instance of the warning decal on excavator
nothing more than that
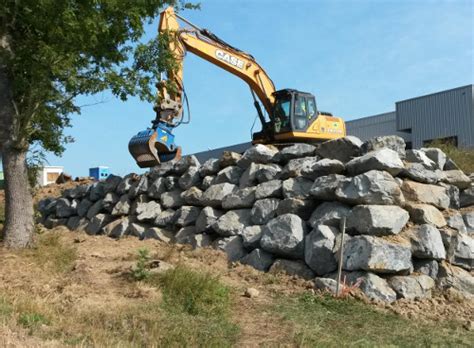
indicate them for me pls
(164, 138)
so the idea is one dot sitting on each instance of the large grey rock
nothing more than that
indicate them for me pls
(284, 236)
(257, 154)
(267, 172)
(97, 191)
(161, 169)
(65, 208)
(76, 223)
(147, 212)
(210, 167)
(461, 251)
(95, 209)
(232, 246)
(426, 242)
(453, 193)
(200, 240)
(425, 214)
(117, 228)
(52, 222)
(251, 236)
(97, 223)
(326, 285)
(139, 187)
(436, 155)
(190, 178)
(165, 218)
(297, 166)
(229, 174)
(122, 207)
(373, 286)
(373, 187)
(418, 156)
(207, 182)
(377, 220)
(80, 191)
(466, 197)
(126, 183)
(293, 268)
(184, 234)
(242, 198)
(417, 172)
(158, 234)
(207, 217)
(324, 187)
(214, 195)
(264, 210)
(192, 196)
(295, 151)
(427, 267)
(301, 207)
(392, 142)
(450, 276)
(297, 188)
(455, 221)
(185, 163)
(187, 215)
(83, 207)
(111, 183)
(232, 223)
(229, 158)
(450, 165)
(47, 206)
(109, 201)
(172, 199)
(377, 255)
(318, 252)
(323, 167)
(137, 229)
(258, 259)
(249, 176)
(412, 287)
(272, 188)
(383, 159)
(342, 149)
(469, 221)
(425, 193)
(329, 213)
(457, 178)
(171, 182)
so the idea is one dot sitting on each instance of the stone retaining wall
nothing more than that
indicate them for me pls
(409, 225)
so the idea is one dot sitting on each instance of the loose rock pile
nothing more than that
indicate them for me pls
(409, 225)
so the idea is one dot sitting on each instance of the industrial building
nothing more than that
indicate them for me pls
(446, 115)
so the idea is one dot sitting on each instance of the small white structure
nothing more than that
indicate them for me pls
(48, 175)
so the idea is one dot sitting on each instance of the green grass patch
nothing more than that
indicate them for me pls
(32, 320)
(53, 254)
(464, 158)
(6, 310)
(326, 321)
(140, 271)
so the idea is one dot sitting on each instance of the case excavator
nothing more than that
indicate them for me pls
(291, 116)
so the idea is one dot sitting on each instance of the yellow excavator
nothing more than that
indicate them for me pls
(292, 115)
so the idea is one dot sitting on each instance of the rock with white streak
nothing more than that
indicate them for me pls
(158, 234)
(148, 211)
(172, 199)
(436, 155)
(185, 163)
(187, 215)
(419, 156)
(466, 197)
(97, 223)
(469, 221)
(210, 167)
(157, 188)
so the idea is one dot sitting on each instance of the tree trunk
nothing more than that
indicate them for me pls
(19, 219)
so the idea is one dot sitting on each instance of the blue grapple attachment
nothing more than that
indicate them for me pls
(153, 146)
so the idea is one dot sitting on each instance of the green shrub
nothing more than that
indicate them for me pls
(194, 293)
(140, 272)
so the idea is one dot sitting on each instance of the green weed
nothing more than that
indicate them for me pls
(140, 272)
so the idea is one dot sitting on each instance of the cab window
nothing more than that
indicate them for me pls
(282, 112)
(301, 113)
(311, 108)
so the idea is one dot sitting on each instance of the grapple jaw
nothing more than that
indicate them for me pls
(151, 147)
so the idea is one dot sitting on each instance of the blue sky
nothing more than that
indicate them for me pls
(357, 56)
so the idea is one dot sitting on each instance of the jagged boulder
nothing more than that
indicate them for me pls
(187, 216)
(450, 276)
(214, 195)
(158, 234)
(210, 167)
(425, 214)
(425, 193)
(301, 207)
(97, 223)
(269, 189)
(412, 287)
(318, 252)
(185, 163)
(148, 211)
(426, 243)
(258, 259)
(117, 228)
(257, 154)
(229, 174)
(383, 159)
(284, 236)
(251, 236)
(392, 142)
(190, 178)
(65, 208)
(329, 213)
(192, 196)
(455, 221)
(417, 172)
(418, 156)
(342, 149)
(436, 155)
(232, 223)
(232, 246)
(457, 178)
(297, 166)
(372, 187)
(292, 268)
(172, 199)
(377, 255)
(427, 267)
(138, 187)
(324, 187)
(229, 158)
(468, 218)
(466, 197)
(373, 286)
(461, 251)
(295, 151)
(377, 220)
(241, 198)
(264, 210)
(207, 217)
(296, 188)
(323, 167)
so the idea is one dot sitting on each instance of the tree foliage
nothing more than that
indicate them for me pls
(56, 50)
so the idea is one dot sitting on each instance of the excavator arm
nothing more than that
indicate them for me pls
(156, 145)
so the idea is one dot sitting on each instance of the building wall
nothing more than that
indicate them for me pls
(377, 125)
(447, 114)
